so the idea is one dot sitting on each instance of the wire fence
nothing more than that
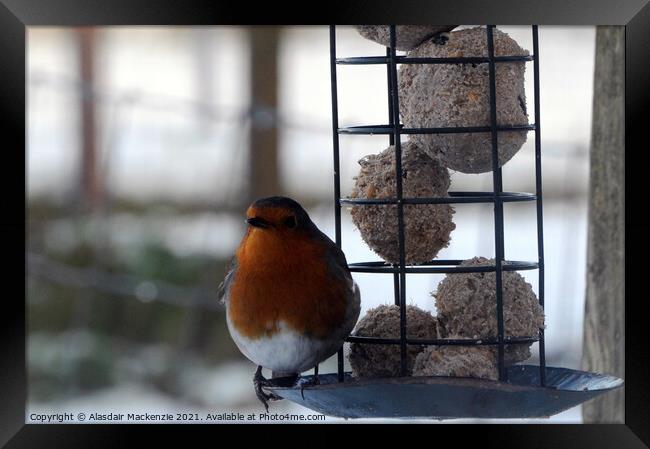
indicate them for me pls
(128, 286)
(201, 110)
(122, 285)
(123, 100)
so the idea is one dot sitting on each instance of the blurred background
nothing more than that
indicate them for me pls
(145, 146)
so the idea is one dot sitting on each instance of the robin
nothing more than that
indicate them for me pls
(289, 295)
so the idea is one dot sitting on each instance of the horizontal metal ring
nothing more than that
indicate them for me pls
(442, 341)
(453, 198)
(373, 60)
(440, 266)
(390, 129)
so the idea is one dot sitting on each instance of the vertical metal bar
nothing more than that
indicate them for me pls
(538, 192)
(337, 176)
(396, 288)
(391, 142)
(400, 205)
(335, 136)
(391, 119)
(498, 204)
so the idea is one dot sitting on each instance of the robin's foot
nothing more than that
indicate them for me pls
(314, 381)
(259, 382)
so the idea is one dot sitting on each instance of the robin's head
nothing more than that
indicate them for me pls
(278, 214)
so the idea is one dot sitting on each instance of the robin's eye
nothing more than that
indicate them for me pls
(290, 222)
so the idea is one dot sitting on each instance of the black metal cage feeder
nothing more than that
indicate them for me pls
(522, 391)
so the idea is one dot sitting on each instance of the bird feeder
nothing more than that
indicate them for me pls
(521, 391)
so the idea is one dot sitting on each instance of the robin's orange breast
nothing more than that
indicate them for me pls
(285, 280)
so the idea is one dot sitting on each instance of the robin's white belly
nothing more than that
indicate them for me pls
(286, 351)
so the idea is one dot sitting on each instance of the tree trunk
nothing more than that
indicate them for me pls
(604, 332)
(263, 175)
(90, 185)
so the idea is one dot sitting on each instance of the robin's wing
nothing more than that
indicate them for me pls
(223, 291)
(338, 266)
(337, 262)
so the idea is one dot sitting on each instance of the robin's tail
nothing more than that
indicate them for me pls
(276, 374)
(285, 379)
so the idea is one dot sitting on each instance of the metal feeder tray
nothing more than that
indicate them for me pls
(448, 397)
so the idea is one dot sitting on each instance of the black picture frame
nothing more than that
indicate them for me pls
(16, 15)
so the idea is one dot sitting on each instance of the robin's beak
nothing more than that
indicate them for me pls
(258, 222)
